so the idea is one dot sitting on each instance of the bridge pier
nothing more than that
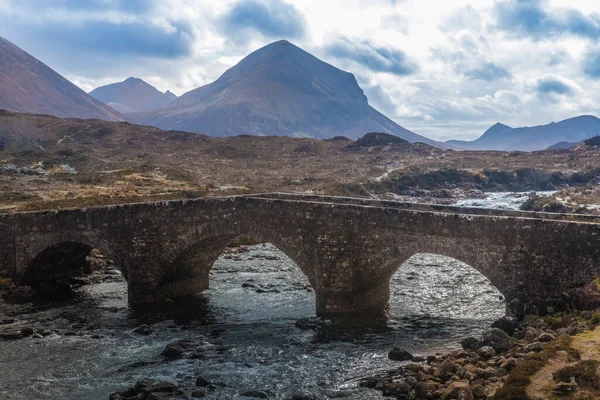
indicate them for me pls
(336, 302)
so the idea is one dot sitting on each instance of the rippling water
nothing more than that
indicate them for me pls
(245, 340)
(501, 200)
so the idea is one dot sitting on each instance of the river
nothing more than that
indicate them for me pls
(242, 333)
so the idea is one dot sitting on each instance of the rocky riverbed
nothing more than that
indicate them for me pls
(503, 364)
(250, 334)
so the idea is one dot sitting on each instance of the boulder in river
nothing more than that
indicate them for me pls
(470, 343)
(505, 324)
(11, 334)
(174, 350)
(202, 382)
(146, 389)
(498, 339)
(144, 330)
(306, 323)
(301, 396)
(257, 394)
(398, 354)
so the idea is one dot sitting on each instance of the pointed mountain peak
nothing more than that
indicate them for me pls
(279, 89)
(133, 95)
(497, 126)
(496, 129)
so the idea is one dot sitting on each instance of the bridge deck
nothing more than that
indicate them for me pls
(354, 201)
(428, 207)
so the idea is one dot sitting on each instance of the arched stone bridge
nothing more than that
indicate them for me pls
(348, 248)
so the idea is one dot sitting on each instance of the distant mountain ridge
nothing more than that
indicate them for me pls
(279, 89)
(29, 86)
(505, 138)
(133, 95)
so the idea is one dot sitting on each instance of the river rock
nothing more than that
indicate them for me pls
(546, 337)
(533, 347)
(486, 352)
(398, 354)
(587, 298)
(425, 390)
(174, 350)
(531, 333)
(202, 382)
(470, 343)
(479, 392)
(11, 335)
(301, 396)
(509, 364)
(565, 388)
(313, 323)
(148, 389)
(458, 390)
(144, 330)
(257, 394)
(498, 339)
(505, 324)
(198, 393)
(445, 370)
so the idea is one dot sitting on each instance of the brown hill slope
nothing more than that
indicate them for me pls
(28, 85)
(47, 162)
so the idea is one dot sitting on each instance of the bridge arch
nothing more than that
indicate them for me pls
(477, 258)
(185, 265)
(52, 269)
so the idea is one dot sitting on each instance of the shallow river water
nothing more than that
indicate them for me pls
(245, 340)
(243, 333)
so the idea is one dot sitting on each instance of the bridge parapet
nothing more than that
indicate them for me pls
(348, 248)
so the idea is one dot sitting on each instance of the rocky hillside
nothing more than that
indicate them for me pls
(28, 85)
(280, 90)
(133, 95)
(48, 162)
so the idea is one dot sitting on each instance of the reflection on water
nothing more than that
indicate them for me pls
(243, 333)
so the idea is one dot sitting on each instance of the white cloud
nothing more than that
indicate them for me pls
(468, 73)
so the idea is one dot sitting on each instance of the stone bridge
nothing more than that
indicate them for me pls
(348, 248)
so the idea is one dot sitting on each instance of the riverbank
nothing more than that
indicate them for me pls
(538, 358)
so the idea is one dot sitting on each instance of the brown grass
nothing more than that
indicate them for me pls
(520, 377)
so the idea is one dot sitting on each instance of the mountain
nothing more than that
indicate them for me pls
(279, 89)
(132, 95)
(28, 85)
(487, 141)
(502, 137)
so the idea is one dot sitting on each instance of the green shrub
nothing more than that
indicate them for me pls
(595, 319)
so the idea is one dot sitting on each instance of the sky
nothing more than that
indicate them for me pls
(446, 69)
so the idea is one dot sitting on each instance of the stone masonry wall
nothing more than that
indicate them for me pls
(348, 248)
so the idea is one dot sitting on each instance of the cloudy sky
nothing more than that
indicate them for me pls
(442, 68)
